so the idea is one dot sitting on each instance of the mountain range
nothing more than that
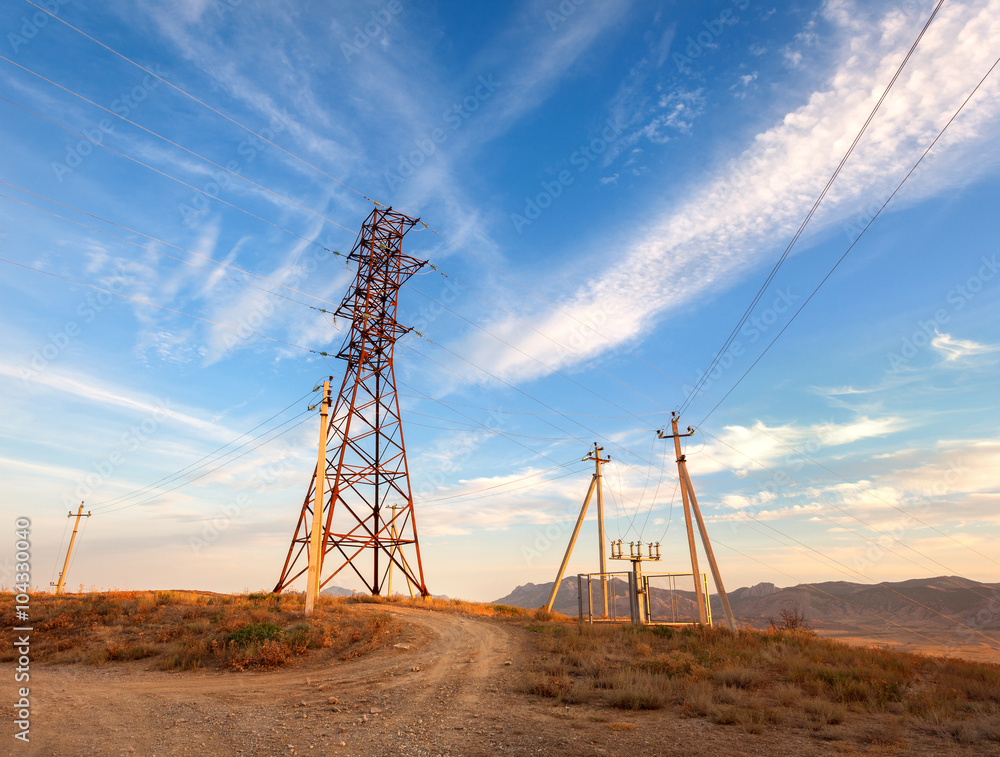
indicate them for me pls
(941, 603)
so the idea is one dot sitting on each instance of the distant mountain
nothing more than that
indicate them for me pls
(917, 602)
(338, 591)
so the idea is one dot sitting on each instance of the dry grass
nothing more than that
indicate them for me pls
(463, 607)
(761, 680)
(190, 630)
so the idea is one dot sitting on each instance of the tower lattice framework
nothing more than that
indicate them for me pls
(368, 518)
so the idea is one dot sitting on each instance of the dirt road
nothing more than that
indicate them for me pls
(446, 687)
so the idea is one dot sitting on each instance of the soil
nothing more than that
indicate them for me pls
(450, 685)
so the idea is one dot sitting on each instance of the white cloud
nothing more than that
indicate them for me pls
(710, 240)
(101, 393)
(743, 448)
(958, 349)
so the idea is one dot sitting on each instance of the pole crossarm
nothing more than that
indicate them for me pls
(368, 518)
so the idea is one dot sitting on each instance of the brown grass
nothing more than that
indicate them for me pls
(189, 630)
(761, 680)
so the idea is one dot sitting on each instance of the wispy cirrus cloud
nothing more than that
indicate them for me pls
(711, 240)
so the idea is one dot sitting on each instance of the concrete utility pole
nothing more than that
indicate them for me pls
(62, 576)
(691, 503)
(316, 535)
(596, 457)
(595, 483)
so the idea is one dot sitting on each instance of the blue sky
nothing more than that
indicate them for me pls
(606, 187)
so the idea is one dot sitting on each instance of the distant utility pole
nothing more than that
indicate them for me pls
(595, 483)
(69, 551)
(691, 503)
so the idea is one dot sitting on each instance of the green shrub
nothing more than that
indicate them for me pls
(254, 633)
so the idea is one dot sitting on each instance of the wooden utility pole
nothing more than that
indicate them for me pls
(691, 503)
(316, 535)
(595, 483)
(62, 576)
(596, 457)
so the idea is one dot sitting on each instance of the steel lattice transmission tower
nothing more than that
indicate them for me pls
(368, 516)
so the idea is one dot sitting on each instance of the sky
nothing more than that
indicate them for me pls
(606, 187)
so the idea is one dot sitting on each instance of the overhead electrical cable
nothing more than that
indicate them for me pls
(166, 175)
(202, 102)
(160, 252)
(805, 221)
(178, 473)
(157, 495)
(180, 146)
(168, 244)
(848, 571)
(239, 329)
(863, 230)
(817, 513)
(862, 610)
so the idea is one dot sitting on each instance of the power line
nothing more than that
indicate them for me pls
(164, 174)
(156, 496)
(160, 252)
(851, 247)
(863, 610)
(240, 330)
(201, 102)
(805, 222)
(175, 144)
(179, 473)
(835, 507)
(161, 241)
(850, 571)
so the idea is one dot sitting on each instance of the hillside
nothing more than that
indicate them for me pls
(938, 604)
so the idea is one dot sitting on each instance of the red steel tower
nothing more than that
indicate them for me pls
(368, 518)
